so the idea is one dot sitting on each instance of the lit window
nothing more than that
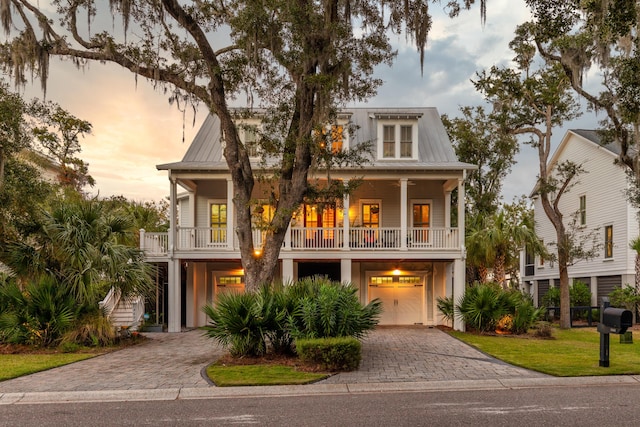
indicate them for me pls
(583, 210)
(218, 213)
(332, 135)
(608, 241)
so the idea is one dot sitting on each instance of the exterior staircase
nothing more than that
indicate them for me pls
(125, 313)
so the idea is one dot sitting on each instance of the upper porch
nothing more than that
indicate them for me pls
(210, 241)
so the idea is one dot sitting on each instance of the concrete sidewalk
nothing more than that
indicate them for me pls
(169, 367)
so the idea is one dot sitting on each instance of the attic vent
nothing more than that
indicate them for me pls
(396, 116)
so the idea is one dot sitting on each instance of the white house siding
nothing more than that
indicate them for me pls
(603, 185)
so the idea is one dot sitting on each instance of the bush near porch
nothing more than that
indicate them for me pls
(273, 318)
(487, 307)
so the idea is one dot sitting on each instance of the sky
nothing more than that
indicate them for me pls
(135, 128)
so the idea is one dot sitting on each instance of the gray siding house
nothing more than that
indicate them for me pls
(393, 237)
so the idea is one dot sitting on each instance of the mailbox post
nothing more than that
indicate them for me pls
(612, 321)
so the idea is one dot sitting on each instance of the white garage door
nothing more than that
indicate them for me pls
(402, 298)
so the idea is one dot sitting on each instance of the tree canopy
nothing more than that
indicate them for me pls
(298, 60)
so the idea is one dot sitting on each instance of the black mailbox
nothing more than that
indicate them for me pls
(618, 319)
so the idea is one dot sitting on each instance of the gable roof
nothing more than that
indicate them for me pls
(434, 147)
(589, 136)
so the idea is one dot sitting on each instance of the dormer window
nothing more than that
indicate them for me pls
(332, 137)
(397, 136)
(249, 138)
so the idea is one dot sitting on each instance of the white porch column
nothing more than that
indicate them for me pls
(173, 265)
(345, 270)
(287, 271)
(173, 215)
(594, 291)
(461, 219)
(403, 213)
(174, 315)
(458, 290)
(447, 210)
(231, 218)
(345, 222)
(192, 209)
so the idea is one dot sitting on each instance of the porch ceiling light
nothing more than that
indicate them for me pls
(396, 272)
(257, 252)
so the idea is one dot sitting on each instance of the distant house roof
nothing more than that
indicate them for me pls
(434, 147)
(594, 136)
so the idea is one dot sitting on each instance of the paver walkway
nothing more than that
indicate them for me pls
(390, 354)
(412, 354)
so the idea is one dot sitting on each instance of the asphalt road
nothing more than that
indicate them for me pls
(610, 405)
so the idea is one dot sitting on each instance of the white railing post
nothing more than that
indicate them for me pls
(141, 243)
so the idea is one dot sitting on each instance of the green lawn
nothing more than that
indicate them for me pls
(257, 375)
(574, 352)
(16, 365)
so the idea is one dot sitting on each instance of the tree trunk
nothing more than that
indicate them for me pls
(499, 273)
(565, 299)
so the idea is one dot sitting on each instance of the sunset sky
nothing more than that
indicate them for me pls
(135, 128)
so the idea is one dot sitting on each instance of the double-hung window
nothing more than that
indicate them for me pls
(583, 210)
(389, 141)
(608, 241)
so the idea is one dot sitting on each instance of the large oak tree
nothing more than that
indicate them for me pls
(298, 59)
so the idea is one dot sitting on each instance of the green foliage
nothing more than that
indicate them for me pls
(484, 305)
(579, 295)
(92, 329)
(334, 354)
(446, 306)
(330, 309)
(39, 315)
(236, 323)
(627, 297)
(248, 323)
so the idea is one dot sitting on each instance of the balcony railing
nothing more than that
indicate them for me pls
(359, 238)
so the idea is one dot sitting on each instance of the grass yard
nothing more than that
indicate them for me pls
(573, 352)
(259, 375)
(16, 365)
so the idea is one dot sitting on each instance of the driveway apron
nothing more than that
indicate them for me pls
(389, 354)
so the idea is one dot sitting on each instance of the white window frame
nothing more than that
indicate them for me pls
(582, 214)
(421, 202)
(242, 134)
(370, 202)
(217, 202)
(608, 258)
(398, 133)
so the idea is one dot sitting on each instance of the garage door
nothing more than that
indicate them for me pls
(402, 298)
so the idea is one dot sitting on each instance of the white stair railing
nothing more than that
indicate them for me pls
(110, 302)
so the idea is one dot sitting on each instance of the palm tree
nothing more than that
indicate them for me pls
(635, 245)
(496, 240)
(80, 244)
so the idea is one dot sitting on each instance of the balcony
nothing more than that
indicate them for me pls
(204, 239)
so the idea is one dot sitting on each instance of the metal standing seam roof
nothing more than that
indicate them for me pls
(434, 147)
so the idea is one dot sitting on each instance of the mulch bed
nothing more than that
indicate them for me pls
(6, 348)
(270, 359)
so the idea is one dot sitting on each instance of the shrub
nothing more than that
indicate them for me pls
(39, 315)
(93, 329)
(626, 297)
(552, 297)
(543, 330)
(334, 354)
(330, 309)
(525, 316)
(236, 323)
(446, 307)
(482, 306)
(580, 294)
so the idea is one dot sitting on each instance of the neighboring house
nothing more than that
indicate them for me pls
(392, 237)
(599, 201)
